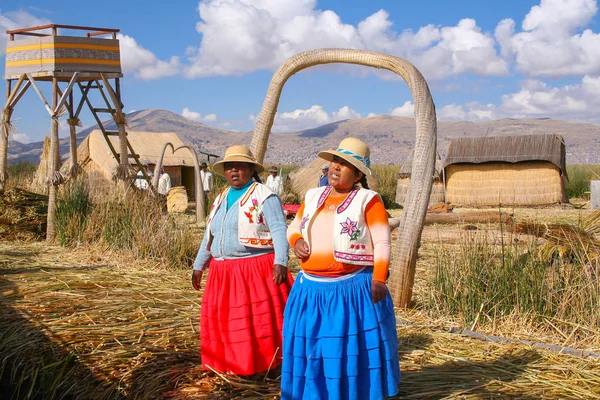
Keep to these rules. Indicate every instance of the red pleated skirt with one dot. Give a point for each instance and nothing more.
(241, 317)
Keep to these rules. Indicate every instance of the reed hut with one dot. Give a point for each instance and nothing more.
(100, 165)
(437, 191)
(510, 170)
(307, 177)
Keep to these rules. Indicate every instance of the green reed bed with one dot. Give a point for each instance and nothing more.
(579, 177)
(135, 223)
(479, 282)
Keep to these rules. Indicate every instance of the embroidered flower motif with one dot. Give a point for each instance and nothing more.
(304, 221)
(255, 211)
(351, 228)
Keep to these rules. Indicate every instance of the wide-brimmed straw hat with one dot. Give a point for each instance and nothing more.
(353, 150)
(273, 169)
(237, 153)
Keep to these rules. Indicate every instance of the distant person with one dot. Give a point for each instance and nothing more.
(141, 183)
(164, 183)
(274, 181)
(207, 179)
(324, 178)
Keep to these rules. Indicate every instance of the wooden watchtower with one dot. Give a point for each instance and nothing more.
(85, 61)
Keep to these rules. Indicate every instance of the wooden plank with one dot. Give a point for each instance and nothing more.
(21, 93)
(68, 90)
(84, 94)
(23, 31)
(104, 110)
(113, 96)
(40, 94)
(10, 94)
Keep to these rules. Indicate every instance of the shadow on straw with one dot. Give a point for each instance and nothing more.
(36, 365)
(461, 377)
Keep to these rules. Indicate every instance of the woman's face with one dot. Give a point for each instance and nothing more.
(343, 175)
(238, 173)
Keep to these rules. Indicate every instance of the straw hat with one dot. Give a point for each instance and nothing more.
(353, 150)
(273, 169)
(237, 153)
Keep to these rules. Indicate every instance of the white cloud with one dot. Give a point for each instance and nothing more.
(371, 115)
(196, 116)
(298, 120)
(15, 20)
(553, 42)
(405, 110)
(142, 63)
(535, 99)
(241, 36)
(538, 99)
(20, 137)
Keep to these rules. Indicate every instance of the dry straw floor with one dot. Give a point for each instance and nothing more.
(114, 329)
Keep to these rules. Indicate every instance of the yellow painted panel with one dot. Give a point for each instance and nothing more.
(62, 61)
(61, 46)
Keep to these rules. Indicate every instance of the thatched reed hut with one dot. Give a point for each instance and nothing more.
(96, 159)
(437, 191)
(307, 177)
(509, 170)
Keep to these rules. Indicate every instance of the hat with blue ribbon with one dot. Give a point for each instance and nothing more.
(353, 150)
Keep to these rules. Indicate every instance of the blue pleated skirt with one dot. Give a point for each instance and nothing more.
(337, 344)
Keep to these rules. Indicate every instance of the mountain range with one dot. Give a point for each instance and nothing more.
(390, 138)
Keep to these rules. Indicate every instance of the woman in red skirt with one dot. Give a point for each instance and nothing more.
(246, 252)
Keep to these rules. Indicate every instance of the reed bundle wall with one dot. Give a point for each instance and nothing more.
(493, 184)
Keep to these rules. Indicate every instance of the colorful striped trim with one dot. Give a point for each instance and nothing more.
(45, 46)
(248, 193)
(324, 196)
(62, 61)
(365, 160)
(353, 257)
(255, 241)
(347, 200)
(319, 278)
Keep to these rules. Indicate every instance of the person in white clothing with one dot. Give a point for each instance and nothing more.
(140, 182)
(274, 181)
(164, 183)
(207, 179)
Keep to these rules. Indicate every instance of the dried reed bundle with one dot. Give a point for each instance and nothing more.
(89, 324)
(567, 241)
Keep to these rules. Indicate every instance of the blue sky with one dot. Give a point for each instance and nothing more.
(212, 60)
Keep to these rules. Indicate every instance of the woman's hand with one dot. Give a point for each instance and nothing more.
(301, 249)
(378, 291)
(197, 279)
(279, 274)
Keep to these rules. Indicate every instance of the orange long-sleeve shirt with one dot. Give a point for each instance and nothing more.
(321, 261)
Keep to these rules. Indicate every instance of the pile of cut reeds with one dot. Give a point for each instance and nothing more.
(82, 324)
(22, 215)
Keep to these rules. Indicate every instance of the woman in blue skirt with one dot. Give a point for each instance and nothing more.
(339, 332)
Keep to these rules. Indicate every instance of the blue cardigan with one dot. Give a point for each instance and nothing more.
(226, 245)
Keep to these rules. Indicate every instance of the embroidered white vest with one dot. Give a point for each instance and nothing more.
(252, 228)
(352, 241)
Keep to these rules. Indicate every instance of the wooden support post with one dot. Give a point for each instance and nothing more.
(124, 171)
(200, 200)
(54, 160)
(5, 124)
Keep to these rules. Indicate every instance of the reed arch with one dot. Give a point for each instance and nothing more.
(413, 216)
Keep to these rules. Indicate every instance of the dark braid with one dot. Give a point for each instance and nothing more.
(256, 177)
(363, 182)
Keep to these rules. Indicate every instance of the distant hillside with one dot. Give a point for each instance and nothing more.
(390, 138)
